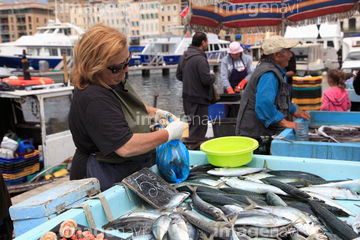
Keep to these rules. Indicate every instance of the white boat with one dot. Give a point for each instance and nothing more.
(47, 44)
(169, 50)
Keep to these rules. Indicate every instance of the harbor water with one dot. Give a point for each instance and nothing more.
(168, 87)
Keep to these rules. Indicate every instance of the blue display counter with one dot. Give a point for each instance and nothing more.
(119, 203)
(325, 150)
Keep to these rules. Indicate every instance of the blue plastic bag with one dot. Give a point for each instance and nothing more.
(172, 159)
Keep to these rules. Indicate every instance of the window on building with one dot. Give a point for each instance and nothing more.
(45, 20)
(156, 16)
(174, 8)
(147, 27)
(341, 25)
(352, 23)
(162, 8)
(147, 16)
(75, 20)
(169, 19)
(162, 18)
(98, 19)
(249, 41)
(112, 21)
(168, 8)
(29, 19)
(163, 29)
(151, 27)
(142, 27)
(30, 26)
(152, 16)
(175, 18)
(137, 32)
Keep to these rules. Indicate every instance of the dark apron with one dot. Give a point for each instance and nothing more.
(231, 110)
(113, 168)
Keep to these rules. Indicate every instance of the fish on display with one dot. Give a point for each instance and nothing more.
(160, 226)
(353, 185)
(336, 225)
(333, 192)
(205, 207)
(356, 224)
(234, 172)
(251, 186)
(265, 204)
(292, 191)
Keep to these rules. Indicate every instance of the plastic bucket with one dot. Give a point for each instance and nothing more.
(231, 151)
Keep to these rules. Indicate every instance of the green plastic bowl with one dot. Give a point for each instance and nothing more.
(231, 151)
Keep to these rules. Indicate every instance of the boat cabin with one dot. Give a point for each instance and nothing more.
(312, 59)
(40, 113)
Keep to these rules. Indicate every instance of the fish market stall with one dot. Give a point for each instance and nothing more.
(324, 149)
(114, 202)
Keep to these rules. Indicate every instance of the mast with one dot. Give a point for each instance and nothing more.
(282, 18)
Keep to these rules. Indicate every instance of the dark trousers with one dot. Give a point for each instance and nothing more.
(110, 173)
(232, 110)
(198, 117)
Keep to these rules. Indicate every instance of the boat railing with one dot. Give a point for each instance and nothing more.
(218, 56)
(159, 53)
(156, 60)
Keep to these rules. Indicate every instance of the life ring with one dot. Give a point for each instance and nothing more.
(19, 81)
(187, 34)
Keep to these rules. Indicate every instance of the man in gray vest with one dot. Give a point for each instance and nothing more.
(265, 106)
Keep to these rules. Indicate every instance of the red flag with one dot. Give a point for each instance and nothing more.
(184, 11)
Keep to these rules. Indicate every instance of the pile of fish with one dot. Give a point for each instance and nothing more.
(248, 203)
(340, 133)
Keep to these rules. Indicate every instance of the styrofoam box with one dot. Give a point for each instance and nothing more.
(43, 207)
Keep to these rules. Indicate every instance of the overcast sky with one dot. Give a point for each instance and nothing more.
(9, 1)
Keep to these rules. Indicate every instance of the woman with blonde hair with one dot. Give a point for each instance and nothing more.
(336, 98)
(108, 121)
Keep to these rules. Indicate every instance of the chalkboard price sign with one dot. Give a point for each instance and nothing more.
(150, 187)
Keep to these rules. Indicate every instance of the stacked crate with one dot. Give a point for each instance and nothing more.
(307, 92)
(17, 170)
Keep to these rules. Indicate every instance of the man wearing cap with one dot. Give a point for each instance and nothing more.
(265, 106)
(235, 73)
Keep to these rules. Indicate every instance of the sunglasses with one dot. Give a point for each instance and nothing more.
(121, 66)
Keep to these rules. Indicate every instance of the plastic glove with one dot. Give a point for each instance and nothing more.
(175, 130)
(230, 90)
(163, 117)
(241, 85)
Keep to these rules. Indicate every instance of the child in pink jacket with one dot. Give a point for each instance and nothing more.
(336, 98)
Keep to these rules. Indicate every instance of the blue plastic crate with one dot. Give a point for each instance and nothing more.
(326, 150)
(216, 111)
(12, 182)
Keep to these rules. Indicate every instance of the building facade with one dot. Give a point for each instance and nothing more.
(149, 18)
(18, 19)
(169, 17)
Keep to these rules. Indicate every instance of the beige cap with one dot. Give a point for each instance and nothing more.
(276, 43)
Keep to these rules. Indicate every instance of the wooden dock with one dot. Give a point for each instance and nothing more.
(146, 70)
